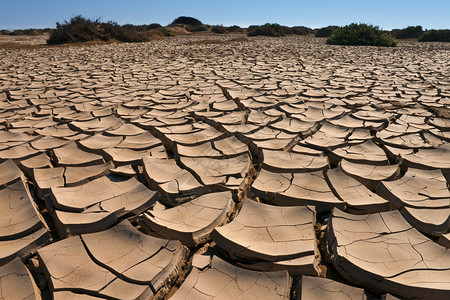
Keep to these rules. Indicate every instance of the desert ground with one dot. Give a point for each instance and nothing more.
(224, 167)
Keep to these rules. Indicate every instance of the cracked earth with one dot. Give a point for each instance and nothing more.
(204, 167)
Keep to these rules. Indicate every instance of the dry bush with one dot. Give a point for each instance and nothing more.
(80, 29)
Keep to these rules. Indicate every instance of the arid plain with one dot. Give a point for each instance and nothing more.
(225, 167)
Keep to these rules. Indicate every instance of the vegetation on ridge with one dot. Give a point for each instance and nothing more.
(274, 29)
(80, 29)
(186, 21)
(326, 31)
(189, 23)
(441, 35)
(410, 32)
(361, 35)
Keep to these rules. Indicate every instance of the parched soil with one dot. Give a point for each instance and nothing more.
(224, 166)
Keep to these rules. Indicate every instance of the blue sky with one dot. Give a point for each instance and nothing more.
(21, 14)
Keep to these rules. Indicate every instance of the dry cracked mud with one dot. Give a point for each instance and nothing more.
(206, 167)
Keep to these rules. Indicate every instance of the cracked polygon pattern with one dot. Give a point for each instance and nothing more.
(218, 171)
(18, 152)
(419, 189)
(9, 172)
(124, 156)
(281, 161)
(97, 125)
(16, 282)
(370, 175)
(63, 295)
(182, 113)
(358, 197)
(367, 152)
(19, 215)
(191, 222)
(69, 267)
(22, 228)
(227, 147)
(225, 281)
(295, 126)
(98, 141)
(360, 126)
(81, 175)
(71, 155)
(47, 178)
(195, 138)
(134, 256)
(40, 161)
(171, 180)
(328, 137)
(438, 158)
(428, 220)
(383, 252)
(281, 236)
(141, 141)
(48, 142)
(98, 204)
(297, 189)
(324, 288)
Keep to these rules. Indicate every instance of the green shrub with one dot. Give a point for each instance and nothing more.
(187, 21)
(29, 31)
(196, 28)
(440, 35)
(326, 31)
(189, 27)
(410, 32)
(165, 32)
(142, 27)
(267, 29)
(361, 35)
(219, 29)
(301, 30)
(286, 30)
(81, 29)
(153, 26)
(234, 28)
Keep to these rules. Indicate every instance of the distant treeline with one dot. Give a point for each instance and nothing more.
(81, 29)
(30, 31)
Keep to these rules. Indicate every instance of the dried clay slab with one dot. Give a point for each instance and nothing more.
(171, 180)
(69, 267)
(365, 153)
(72, 155)
(134, 256)
(296, 189)
(278, 236)
(191, 222)
(22, 228)
(370, 175)
(418, 189)
(16, 282)
(98, 204)
(225, 281)
(358, 197)
(212, 171)
(438, 158)
(324, 288)
(383, 252)
(281, 161)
